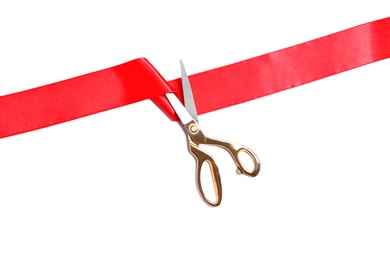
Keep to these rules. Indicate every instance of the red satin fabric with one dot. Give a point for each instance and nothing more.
(287, 68)
(233, 84)
(80, 96)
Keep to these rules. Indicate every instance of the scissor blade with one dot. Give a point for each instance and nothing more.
(189, 102)
(180, 110)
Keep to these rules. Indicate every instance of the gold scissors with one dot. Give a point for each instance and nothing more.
(189, 118)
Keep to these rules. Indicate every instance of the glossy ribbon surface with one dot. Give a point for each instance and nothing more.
(233, 84)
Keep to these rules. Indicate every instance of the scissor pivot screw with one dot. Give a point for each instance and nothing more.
(194, 128)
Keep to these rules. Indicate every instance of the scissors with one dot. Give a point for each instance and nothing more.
(189, 118)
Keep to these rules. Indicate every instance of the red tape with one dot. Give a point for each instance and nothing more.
(233, 84)
(80, 96)
(286, 68)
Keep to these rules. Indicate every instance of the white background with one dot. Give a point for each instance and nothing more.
(120, 184)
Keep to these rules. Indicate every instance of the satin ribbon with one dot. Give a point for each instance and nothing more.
(233, 84)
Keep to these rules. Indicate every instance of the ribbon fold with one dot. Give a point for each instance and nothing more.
(233, 84)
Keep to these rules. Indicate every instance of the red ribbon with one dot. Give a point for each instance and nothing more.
(233, 84)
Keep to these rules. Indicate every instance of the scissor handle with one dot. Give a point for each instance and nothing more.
(234, 150)
(202, 157)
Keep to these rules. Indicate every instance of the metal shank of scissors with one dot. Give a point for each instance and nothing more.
(188, 117)
(196, 137)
